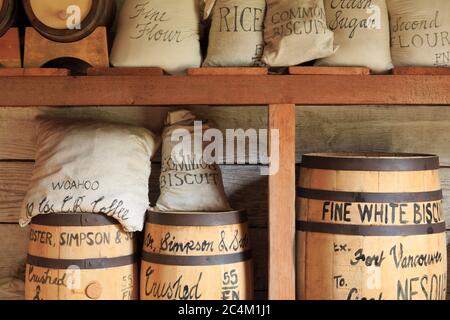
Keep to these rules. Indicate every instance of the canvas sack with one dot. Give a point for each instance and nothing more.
(361, 30)
(236, 34)
(420, 32)
(188, 183)
(158, 33)
(295, 32)
(91, 168)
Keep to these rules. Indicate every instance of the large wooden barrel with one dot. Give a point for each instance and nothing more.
(196, 256)
(8, 9)
(370, 226)
(54, 19)
(80, 257)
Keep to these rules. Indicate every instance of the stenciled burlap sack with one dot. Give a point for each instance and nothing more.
(295, 32)
(90, 167)
(188, 182)
(236, 34)
(361, 30)
(158, 33)
(420, 32)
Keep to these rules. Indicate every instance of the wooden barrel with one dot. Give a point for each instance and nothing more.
(57, 20)
(80, 257)
(8, 9)
(370, 226)
(196, 256)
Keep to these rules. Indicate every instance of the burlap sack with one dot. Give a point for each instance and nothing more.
(158, 33)
(420, 32)
(91, 168)
(188, 183)
(295, 32)
(236, 34)
(361, 30)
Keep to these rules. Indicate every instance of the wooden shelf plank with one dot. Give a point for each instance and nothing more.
(131, 71)
(282, 204)
(417, 71)
(225, 90)
(345, 71)
(33, 72)
(229, 71)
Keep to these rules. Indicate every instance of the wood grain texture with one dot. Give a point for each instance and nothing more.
(245, 188)
(40, 50)
(282, 204)
(33, 72)
(10, 56)
(421, 71)
(14, 250)
(18, 126)
(347, 71)
(13, 247)
(125, 71)
(370, 128)
(226, 90)
(227, 71)
(319, 129)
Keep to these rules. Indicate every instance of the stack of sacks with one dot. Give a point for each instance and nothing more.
(420, 32)
(188, 183)
(158, 33)
(296, 32)
(236, 34)
(361, 30)
(90, 167)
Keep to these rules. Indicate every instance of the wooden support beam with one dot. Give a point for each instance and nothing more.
(282, 204)
(225, 90)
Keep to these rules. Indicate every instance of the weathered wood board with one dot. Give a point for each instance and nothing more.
(245, 187)
(354, 128)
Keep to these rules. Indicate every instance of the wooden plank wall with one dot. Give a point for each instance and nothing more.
(355, 128)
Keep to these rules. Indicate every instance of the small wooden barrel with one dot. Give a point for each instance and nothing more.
(196, 256)
(57, 20)
(80, 257)
(8, 10)
(370, 226)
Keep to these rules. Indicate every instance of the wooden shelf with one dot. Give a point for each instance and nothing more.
(280, 92)
(226, 90)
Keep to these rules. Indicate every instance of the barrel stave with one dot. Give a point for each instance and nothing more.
(80, 257)
(208, 253)
(370, 227)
